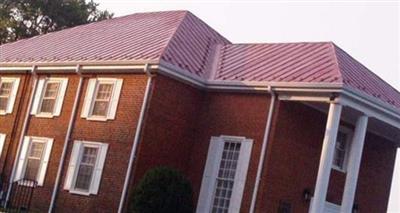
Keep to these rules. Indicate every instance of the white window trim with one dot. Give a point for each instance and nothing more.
(75, 159)
(91, 92)
(329, 207)
(38, 100)
(13, 95)
(22, 161)
(349, 132)
(2, 142)
(214, 156)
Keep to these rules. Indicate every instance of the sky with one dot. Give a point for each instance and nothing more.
(367, 30)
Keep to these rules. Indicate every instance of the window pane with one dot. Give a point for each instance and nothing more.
(51, 90)
(34, 160)
(3, 104)
(36, 150)
(86, 168)
(49, 97)
(47, 105)
(5, 92)
(5, 89)
(104, 91)
(100, 108)
(226, 177)
(32, 169)
(340, 150)
(102, 99)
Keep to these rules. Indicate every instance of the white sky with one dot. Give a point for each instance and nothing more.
(368, 30)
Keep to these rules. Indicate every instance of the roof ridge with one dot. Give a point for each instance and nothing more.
(163, 51)
(215, 62)
(333, 49)
(271, 43)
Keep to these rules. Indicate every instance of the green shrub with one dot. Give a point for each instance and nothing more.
(162, 190)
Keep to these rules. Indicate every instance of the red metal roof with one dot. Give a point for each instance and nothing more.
(181, 39)
(281, 62)
(321, 62)
(356, 76)
(176, 36)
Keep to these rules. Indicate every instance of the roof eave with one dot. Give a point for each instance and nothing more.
(175, 72)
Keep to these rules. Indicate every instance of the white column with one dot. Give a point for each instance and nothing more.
(325, 163)
(354, 164)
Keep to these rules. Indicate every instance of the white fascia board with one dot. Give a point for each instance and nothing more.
(74, 63)
(16, 68)
(304, 98)
(179, 74)
(83, 68)
(374, 105)
(370, 109)
(375, 101)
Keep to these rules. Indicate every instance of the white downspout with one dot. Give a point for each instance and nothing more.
(66, 140)
(263, 151)
(23, 131)
(136, 139)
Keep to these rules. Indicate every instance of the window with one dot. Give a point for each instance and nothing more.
(341, 149)
(5, 93)
(85, 167)
(8, 93)
(225, 174)
(34, 157)
(49, 97)
(101, 99)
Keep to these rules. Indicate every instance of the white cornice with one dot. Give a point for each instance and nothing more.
(177, 73)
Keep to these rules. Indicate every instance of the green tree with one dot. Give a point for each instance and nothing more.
(26, 18)
(162, 190)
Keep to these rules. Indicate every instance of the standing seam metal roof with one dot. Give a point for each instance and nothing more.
(182, 40)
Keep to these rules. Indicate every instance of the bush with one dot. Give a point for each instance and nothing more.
(162, 190)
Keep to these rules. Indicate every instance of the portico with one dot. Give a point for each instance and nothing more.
(364, 116)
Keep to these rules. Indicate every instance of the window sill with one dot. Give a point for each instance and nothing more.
(79, 192)
(28, 183)
(3, 113)
(95, 118)
(44, 115)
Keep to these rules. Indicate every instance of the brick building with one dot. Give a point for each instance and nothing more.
(283, 127)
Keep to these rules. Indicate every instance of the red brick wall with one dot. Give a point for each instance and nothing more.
(179, 122)
(236, 114)
(375, 176)
(55, 128)
(119, 134)
(169, 126)
(11, 124)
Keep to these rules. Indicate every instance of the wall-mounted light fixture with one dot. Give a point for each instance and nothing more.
(307, 194)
